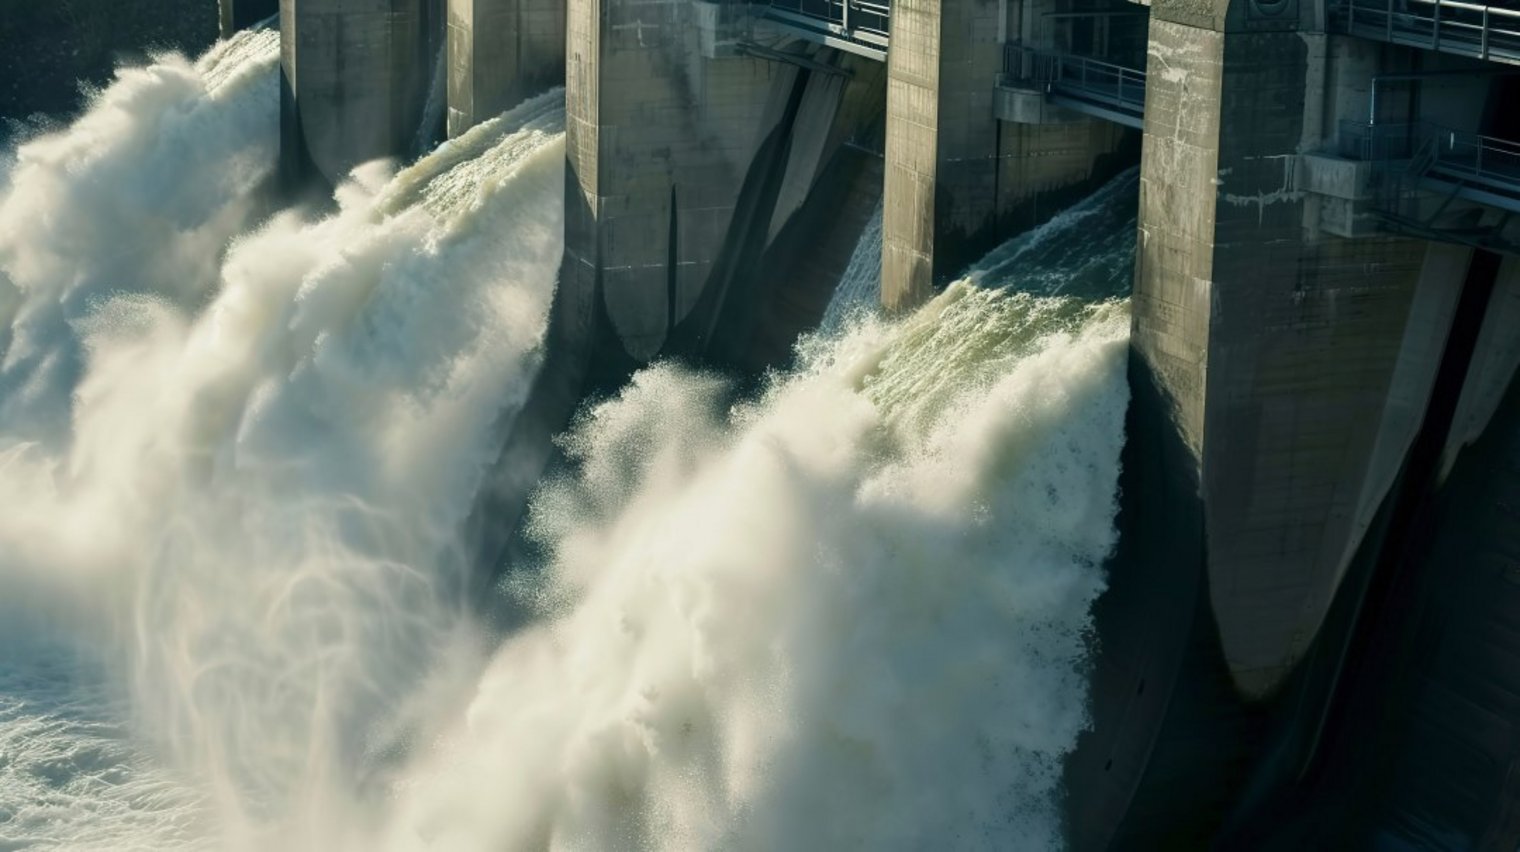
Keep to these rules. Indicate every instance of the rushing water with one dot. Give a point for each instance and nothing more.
(855, 295)
(236, 450)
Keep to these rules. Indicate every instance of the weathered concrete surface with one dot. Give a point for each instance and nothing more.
(1341, 194)
(957, 180)
(355, 75)
(499, 53)
(234, 15)
(1280, 376)
(1418, 748)
(1277, 349)
(1284, 385)
(682, 168)
(659, 140)
(1029, 106)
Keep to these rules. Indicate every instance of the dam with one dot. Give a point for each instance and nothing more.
(1326, 324)
(792, 424)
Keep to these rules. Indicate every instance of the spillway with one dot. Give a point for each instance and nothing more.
(851, 607)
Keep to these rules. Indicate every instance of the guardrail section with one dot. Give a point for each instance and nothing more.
(859, 26)
(1449, 26)
(1092, 86)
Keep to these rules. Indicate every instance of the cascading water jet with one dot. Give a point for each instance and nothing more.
(850, 610)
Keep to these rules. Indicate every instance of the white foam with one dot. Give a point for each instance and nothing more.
(859, 287)
(235, 466)
(850, 615)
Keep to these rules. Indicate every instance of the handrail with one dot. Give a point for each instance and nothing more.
(1437, 151)
(1077, 76)
(1451, 26)
(845, 18)
(1475, 7)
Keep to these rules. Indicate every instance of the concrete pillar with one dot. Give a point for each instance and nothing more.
(958, 181)
(1281, 357)
(355, 77)
(234, 15)
(500, 53)
(944, 59)
(670, 154)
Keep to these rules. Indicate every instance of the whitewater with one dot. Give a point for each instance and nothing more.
(238, 444)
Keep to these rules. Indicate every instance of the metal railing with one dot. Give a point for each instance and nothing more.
(1479, 159)
(1106, 89)
(853, 22)
(1377, 143)
(1421, 168)
(1450, 26)
(1437, 151)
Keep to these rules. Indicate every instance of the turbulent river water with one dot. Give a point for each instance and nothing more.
(237, 446)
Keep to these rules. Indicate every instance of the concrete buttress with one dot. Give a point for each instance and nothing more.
(501, 52)
(1290, 364)
(680, 163)
(355, 77)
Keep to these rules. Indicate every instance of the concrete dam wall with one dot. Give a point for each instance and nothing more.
(1326, 322)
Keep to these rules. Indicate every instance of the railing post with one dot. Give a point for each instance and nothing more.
(1388, 20)
(1483, 37)
(1435, 27)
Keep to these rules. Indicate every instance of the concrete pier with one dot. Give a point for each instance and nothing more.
(355, 78)
(959, 180)
(1274, 347)
(1298, 305)
(499, 53)
(659, 142)
(689, 146)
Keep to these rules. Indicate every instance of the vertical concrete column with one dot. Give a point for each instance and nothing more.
(234, 15)
(941, 166)
(660, 144)
(355, 75)
(1270, 360)
(958, 181)
(500, 53)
